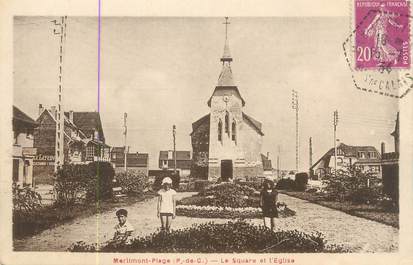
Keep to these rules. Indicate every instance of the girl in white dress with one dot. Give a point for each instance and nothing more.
(166, 204)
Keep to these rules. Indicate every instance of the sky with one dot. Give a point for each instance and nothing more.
(162, 71)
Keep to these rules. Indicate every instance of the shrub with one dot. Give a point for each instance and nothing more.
(132, 182)
(352, 184)
(225, 188)
(232, 237)
(100, 182)
(157, 185)
(227, 195)
(286, 184)
(70, 183)
(201, 185)
(25, 199)
(257, 185)
(301, 180)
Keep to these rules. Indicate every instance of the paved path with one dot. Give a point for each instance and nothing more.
(356, 233)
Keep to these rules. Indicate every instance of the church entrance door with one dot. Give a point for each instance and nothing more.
(226, 170)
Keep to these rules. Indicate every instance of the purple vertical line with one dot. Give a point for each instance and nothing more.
(99, 4)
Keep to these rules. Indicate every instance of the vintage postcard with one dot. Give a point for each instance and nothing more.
(206, 133)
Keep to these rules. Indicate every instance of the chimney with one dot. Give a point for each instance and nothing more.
(71, 116)
(268, 155)
(41, 109)
(383, 148)
(53, 110)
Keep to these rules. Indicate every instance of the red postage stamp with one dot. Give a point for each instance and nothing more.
(382, 37)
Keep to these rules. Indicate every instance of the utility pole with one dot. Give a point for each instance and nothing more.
(174, 139)
(311, 152)
(125, 137)
(60, 31)
(297, 143)
(335, 121)
(278, 162)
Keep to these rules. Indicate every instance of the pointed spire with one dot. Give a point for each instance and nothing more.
(226, 57)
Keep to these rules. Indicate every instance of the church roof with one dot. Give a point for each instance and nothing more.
(20, 116)
(254, 123)
(225, 78)
(200, 121)
(221, 91)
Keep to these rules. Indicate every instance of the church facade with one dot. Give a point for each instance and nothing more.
(226, 142)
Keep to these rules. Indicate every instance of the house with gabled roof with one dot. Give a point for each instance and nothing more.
(183, 161)
(226, 143)
(84, 141)
(138, 162)
(23, 150)
(367, 158)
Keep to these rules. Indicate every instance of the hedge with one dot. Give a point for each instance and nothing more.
(232, 237)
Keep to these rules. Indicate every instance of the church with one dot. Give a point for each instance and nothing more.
(226, 143)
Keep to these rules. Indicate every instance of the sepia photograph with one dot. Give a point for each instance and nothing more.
(265, 133)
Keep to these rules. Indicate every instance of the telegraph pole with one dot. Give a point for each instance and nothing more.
(335, 121)
(125, 137)
(60, 31)
(174, 139)
(278, 162)
(297, 143)
(311, 152)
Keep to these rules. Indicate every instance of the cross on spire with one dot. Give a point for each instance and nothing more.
(226, 28)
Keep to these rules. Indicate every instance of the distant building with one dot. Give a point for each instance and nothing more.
(267, 166)
(84, 141)
(183, 162)
(367, 158)
(390, 163)
(23, 151)
(138, 162)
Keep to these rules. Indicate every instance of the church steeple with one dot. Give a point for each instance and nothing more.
(226, 83)
(225, 78)
(226, 57)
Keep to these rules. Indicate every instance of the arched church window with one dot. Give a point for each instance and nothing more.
(227, 123)
(234, 131)
(220, 130)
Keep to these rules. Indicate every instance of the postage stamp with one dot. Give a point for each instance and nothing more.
(382, 36)
(378, 49)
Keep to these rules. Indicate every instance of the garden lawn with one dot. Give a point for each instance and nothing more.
(368, 211)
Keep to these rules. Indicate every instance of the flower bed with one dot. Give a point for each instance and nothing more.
(227, 201)
(232, 237)
(217, 212)
(229, 212)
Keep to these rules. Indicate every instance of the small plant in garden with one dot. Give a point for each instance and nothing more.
(232, 237)
(25, 199)
(132, 182)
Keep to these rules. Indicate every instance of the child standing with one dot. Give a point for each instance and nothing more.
(166, 204)
(123, 230)
(268, 203)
